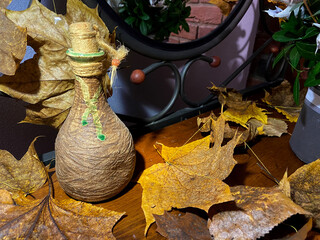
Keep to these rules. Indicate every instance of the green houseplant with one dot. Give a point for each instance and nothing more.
(300, 32)
(159, 18)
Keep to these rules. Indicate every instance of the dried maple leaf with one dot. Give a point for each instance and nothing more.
(5, 3)
(238, 110)
(13, 43)
(305, 189)
(243, 116)
(284, 185)
(257, 212)
(48, 218)
(46, 81)
(281, 99)
(25, 175)
(188, 226)
(190, 177)
(280, 4)
(302, 233)
(230, 97)
(274, 127)
(207, 124)
(224, 5)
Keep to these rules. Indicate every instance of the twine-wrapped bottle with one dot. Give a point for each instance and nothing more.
(95, 156)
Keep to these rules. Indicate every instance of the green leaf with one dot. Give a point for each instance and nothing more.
(185, 25)
(311, 32)
(314, 14)
(294, 57)
(130, 20)
(314, 6)
(313, 76)
(281, 54)
(143, 28)
(293, 24)
(122, 9)
(307, 50)
(136, 10)
(285, 36)
(144, 16)
(310, 64)
(296, 89)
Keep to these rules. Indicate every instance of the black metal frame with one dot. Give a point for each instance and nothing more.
(191, 50)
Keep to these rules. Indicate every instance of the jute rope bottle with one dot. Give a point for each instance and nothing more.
(95, 156)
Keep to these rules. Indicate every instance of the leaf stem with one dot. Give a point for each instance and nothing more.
(54, 6)
(260, 163)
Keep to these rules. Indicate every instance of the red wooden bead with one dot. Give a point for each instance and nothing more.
(274, 48)
(215, 61)
(137, 76)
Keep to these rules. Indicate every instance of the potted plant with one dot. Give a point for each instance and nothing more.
(158, 18)
(300, 32)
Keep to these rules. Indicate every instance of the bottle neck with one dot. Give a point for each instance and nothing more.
(88, 87)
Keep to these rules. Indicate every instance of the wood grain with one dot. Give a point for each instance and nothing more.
(274, 152)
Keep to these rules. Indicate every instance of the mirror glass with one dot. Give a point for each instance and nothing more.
(173, 21)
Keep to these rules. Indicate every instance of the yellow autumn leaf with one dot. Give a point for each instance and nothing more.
(224, 5)
(238, 110)
(25, 175)
(13, 42)
(305, 189)
(190, 177)
(278, 3)
(46, 81)
(241, 116)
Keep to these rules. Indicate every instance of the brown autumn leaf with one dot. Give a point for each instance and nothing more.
(13, 42)
(302, 233)
(46, 81)
(25, 175)
(305, 189)
(230, 97)
(186, 226)
(5, 3)
(48, 218)
(284, 185)
(281, 98)
(280, 3)
(255, 213)
(53, 110)
(238, 110)
(207, 124)
(274, 127)
(224, 5)
(190, 177)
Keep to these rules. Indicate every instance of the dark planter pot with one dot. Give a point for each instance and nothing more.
(305, 139)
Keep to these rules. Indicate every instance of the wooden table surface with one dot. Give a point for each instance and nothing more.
(274, 152)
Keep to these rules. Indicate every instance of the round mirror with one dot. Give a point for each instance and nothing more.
(169, 50)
